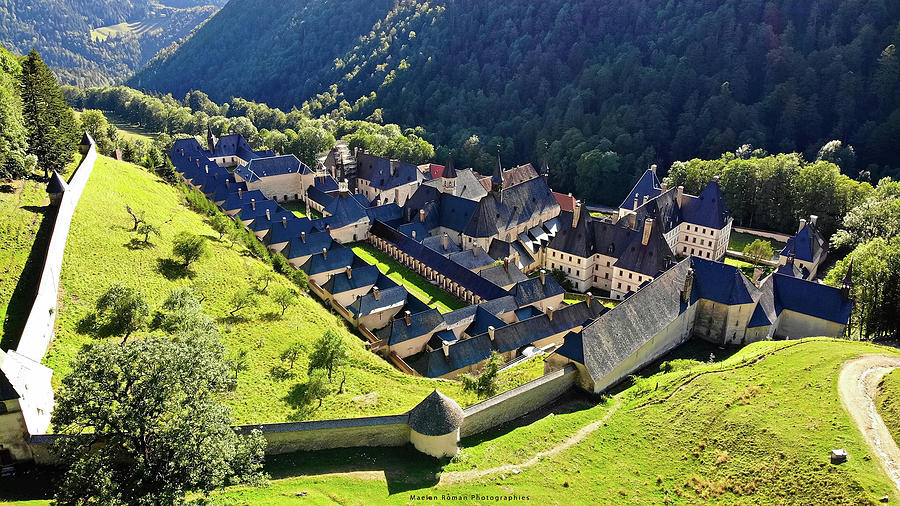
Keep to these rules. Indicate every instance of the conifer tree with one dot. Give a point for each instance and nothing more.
(52, 132)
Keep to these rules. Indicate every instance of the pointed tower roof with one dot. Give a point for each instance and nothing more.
(436, 415)
(56, 184)
(449, 170)
(498, 172)
(848, 278)
(86, 140)
(545, 169)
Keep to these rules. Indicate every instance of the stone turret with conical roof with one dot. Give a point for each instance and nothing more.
(434, 425)
(56, 187)
(448, 178)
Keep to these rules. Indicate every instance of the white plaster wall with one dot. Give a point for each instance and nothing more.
(794, 325)
(436, 446)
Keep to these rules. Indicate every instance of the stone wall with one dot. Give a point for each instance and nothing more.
(324, 434)
(517, 402)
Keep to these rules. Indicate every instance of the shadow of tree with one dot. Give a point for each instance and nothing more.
(138, 244)
(280, 373)
(172, 269)
(91, 324)
(270, 316)
(7, 188)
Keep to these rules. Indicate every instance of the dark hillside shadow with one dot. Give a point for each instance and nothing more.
(404, 467)
(26, 288)
(138, 244)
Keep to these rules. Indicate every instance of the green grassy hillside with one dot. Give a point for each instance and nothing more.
(888, 402)
(101, 252)
(755, 428)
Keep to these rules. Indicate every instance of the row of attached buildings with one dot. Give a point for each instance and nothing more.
(479, 237)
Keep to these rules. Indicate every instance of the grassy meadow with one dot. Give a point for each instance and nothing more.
(754, 428)
(415, 284)
(739, 240)
(102, 250)
(888, 402)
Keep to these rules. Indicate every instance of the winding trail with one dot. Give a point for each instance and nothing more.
(858, 386)
(473, 474)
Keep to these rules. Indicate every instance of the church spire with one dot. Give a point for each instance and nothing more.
(210, 140)
(497, 178)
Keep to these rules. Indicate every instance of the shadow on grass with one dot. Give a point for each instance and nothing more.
(138, 244)
(304, 407)
(7, 188)
(405, 468)
(23, 294)
(30, 483)
(271, 316)
(172, 269)
(280, 372)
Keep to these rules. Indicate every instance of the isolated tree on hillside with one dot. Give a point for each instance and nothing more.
(221, 224)
(124, 308)
(292, 353)
(147, 230)
(318, 386)
(238, 363)
(135, 217)
(243, 299)
(182, 311)
(330, 352)
(285, 297)
(190, 247)
(50, 122)
(153, 404)
(758, 250)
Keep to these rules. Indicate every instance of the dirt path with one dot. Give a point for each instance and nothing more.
(473, 474)
(858, 386)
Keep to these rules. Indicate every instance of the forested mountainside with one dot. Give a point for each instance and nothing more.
(593, 86)
(92, 42)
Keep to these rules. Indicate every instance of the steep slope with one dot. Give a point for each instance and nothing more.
(608, 86)
(91, 42)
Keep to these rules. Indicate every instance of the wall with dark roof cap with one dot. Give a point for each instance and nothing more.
(517, 402)
(325, 434)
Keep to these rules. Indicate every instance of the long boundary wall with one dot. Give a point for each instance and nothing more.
(22, 366)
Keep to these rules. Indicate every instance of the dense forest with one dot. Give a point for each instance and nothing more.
(61, 30)
(592, 87)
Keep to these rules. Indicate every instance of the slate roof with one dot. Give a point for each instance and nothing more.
(272, 166)
(495, 214)
(320, 197)
(707, 209)
(344, 210)
(532, 290)
(451, 270)
(809, 298)
(648, 185)
(502, 275)
(468, 185)
(256, 210)
(436, 243)
(359, 277)
(236, 145)
(466, 315)
(807, 244)
(407, 229)
(291, 229)
(421, 324)
(56, 184)
(620, 332)
(224, 191)
(275, 219)
(472, 259)
(237, 200)
(338, 257)
(315, 241)
(483, 319)
(388, 298)
(649, 259)
(378, 172)
(325, 184)
(722, 283)
(388, 213)
(436, 415)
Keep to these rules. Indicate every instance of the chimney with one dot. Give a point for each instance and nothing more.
(302, 237)
(653, 169)
(269, 216)
(847, 283)
(376, 293)
(491, 332)
(646, 198)
(648, 226)
(550, 312)
(205, 168)
(413, 234)
(543, 277)
(716, 178)
(284, 222)
(506, 264)
(407, 317)
(688, 284)
(445, 241)
(576, 213)
(253, 204)
(394, 164)
(680, 197)
(635, 202)
(240, 194)
(349, 271)
(474, 249)
(813, 219)
(227, 183)
(422, 215)
(802, 224)
(343, 188)
(446, 348)
(325, 253)
(589, 297)
(197, 161)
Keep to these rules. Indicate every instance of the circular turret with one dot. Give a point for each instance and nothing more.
(434, 425)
